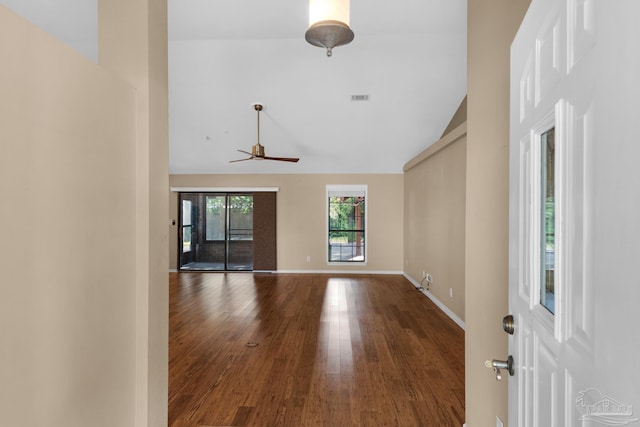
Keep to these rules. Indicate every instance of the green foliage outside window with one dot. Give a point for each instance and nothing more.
(346, 215)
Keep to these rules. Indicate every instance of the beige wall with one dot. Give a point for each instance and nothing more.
(434, 219)
(67, 253)
(83, 177)
(491, 27)
(301, 216)
(458, 118)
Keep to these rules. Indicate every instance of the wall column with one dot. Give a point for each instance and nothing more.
(491, 24)
(133, 44)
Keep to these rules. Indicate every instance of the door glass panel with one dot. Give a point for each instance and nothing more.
(216, 218)
(186, 239)
(240, 232)
(214, 248)
(547, 226)
(188, 235)
(186, 226)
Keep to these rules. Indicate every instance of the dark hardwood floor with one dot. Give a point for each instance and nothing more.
(310, 350)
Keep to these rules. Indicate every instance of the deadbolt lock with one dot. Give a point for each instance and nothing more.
(508, 324)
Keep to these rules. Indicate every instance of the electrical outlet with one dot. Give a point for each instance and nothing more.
(308, 258)
(450, 292)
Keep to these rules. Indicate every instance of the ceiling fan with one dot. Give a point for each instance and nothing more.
(257, 151)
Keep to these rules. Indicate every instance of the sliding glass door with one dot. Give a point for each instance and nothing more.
(215, 232)
(240, 232)
(220, 231)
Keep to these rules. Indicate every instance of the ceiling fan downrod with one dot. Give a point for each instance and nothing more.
(258, 108)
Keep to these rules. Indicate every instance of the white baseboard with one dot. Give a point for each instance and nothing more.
(437, 302)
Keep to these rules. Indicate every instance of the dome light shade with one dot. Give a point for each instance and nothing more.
(329, 24)
(328, 10)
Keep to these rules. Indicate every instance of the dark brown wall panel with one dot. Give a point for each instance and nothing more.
(264, 231)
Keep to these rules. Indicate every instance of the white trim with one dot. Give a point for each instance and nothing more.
(224, 189)
(173, 270)
(347, 190)
(554, 119)
(448, 139)
(437, 302)
(348, 263)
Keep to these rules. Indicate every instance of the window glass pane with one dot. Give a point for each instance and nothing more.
(241, 217)
(215, 217)
(547, 226)
(240, 232)
(346, 228)
(346, 246)
(186, 239)
(186, 212)
(186, 225)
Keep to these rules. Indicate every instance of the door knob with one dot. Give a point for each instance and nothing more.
(497, 365)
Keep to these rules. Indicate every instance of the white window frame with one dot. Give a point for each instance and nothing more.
(554, 323)
(347, 191)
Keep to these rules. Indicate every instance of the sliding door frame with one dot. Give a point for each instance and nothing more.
(264, 247)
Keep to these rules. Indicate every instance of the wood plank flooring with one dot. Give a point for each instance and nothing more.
(310, 350)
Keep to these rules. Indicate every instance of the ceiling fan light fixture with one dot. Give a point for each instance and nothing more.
(329, 24)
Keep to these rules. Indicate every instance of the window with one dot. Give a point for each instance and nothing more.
(547, 220)
(346, 223)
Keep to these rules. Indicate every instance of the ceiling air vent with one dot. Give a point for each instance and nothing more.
(359, 97)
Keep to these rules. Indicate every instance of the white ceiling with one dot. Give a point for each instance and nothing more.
(409, 56)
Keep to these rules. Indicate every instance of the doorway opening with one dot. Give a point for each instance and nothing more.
(216, 232)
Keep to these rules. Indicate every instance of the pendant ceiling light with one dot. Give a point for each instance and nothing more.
(329, 24)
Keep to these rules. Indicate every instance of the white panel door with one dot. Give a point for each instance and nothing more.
(575, 214)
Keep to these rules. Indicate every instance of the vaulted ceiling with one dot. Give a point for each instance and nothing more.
(408, 57)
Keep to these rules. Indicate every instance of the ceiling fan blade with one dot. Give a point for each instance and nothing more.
(246, 152)
(241, 160)
(282, 159)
